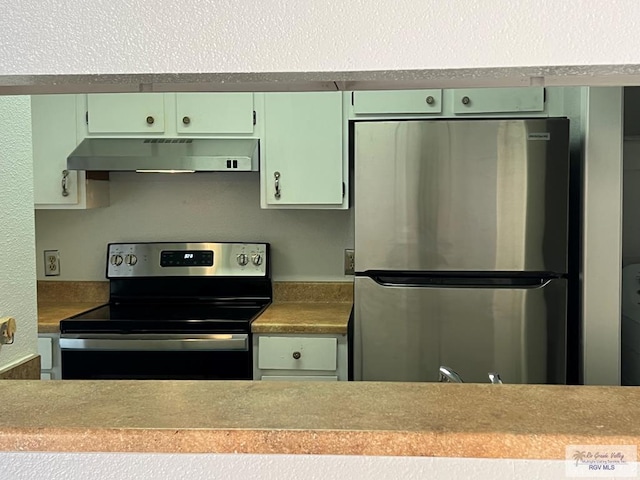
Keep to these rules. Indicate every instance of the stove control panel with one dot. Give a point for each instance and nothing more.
(164, 259)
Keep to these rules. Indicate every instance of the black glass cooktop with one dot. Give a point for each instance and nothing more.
(200, 317)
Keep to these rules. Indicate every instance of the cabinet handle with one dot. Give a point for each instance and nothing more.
(65, 189)
(466, 100)
(150, 120)
(276, 175)
(186, 120)
(297, 355)
(430, 100)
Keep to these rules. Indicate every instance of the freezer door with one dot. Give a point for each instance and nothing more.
(405, 334)
(477, 195)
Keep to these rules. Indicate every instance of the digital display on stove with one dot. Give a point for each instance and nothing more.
(186, 258)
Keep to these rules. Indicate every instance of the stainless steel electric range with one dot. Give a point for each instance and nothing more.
(175, 311)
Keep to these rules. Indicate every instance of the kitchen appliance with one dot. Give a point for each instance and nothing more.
(175, 311)
(461, 237)
(165, 154)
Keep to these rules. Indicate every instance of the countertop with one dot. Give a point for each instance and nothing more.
(278, 318)
(50, 313)
(341, 418)
(303, 318)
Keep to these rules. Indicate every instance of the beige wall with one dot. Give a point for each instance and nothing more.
(306, 244)
(17, 262)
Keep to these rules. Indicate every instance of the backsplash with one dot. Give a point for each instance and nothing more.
(306, 245)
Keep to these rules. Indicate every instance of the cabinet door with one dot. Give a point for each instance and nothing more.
(53, 122)
(397, 102)
(45, 350)
(303, 149)
(125, 113)
(214, 113)
(498, 100)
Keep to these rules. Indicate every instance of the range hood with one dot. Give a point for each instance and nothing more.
(171, 155)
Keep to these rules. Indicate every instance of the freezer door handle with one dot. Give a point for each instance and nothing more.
(462, 281)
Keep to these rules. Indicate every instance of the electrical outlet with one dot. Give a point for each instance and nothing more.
(51, 263)
(349, 262)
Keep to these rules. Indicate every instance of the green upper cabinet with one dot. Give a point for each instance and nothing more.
(170, 114)
(302, 164)
(53, 127)
(401, 102)
(498, 100)
(136, 113)
(447, 103)
(214, 113)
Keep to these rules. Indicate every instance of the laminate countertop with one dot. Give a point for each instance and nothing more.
(50, 313)
(303, 318)
(278, 318)
(341, 418)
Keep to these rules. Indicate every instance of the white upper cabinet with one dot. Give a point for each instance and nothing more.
(448, 103)
(498, 100)
(397, 102)
(169, 114)
(53, 121)
(302, 164)
(140, 113)
(214, 113)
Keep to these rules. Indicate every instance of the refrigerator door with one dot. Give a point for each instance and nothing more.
(474, 195)
(405, 333)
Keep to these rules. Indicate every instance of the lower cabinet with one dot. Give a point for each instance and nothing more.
(316, 357)
(49, 351)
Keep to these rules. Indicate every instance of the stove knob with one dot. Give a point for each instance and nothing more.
(256, 259)
(116, 260)
(242, 259)
(131, 259)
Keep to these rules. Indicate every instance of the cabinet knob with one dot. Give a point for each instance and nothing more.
(430, 100)
(466, 100)
(150, 120)
(296, 355)
(186, 120)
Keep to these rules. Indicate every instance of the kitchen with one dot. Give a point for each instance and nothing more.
(605, 376)
(154, 191)
(160, 205)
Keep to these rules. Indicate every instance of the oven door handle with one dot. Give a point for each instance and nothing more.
(162, 343)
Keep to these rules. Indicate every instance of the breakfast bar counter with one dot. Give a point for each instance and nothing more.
(341, 418)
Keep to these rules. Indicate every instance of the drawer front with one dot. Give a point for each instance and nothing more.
(300, 378)
(45, 350)
(297, 353)
(498, 100)
(397, 102)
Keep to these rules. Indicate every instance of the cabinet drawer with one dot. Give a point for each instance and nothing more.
(45, 350)
(125, 113)
(297, 353)
(397, 102)
(215, 113)
(498, 100)
(300, 378)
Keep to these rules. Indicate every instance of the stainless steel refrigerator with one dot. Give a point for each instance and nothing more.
(461, 249)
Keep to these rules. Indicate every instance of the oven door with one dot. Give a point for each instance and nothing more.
(156, 356)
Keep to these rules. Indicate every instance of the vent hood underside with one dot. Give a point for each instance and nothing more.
(165, 155)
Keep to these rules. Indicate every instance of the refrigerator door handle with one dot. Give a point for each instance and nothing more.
(427, 281)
